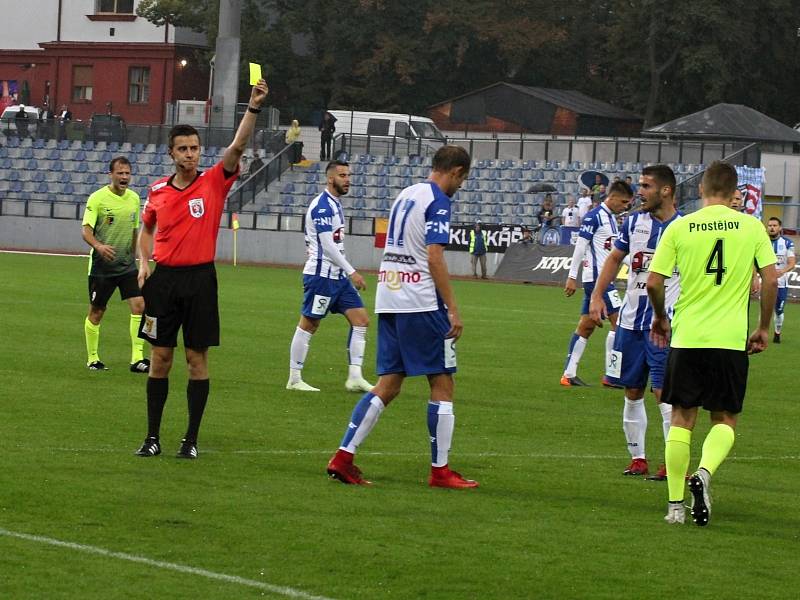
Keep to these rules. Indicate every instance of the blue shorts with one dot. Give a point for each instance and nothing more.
(322, 295)
(780, 300)
(414, 343)
(634, 358)
(611, 298)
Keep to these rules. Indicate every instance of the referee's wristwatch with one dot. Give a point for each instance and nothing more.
(253, 110)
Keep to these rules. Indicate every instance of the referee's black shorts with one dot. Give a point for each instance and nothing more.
(713, 378)
(181, 297)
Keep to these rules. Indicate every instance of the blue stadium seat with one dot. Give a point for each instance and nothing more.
(5, 163)
(15, 187)
(42, 188)
(138, 148)
(392, 160)
(38, 144)
(382, 193)
(80, 155)
(360, 192)
(311, 190)
(27, 153)
(12, 142)
(63, 145)
(90, 179)
(494, 186)
(32, 164)
(88, 145)
(38, 176)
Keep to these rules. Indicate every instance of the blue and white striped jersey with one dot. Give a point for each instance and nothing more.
(599, 228)
(420, 216)
(638, 238)
(784, 250)
(324, 214)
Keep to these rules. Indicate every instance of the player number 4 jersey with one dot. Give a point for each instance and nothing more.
(638, 238)
(420, 216)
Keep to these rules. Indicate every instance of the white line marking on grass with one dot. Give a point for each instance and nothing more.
(275, 589)
(41, 253)
(532, 455)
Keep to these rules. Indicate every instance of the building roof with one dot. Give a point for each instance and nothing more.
(572, 100)
(729, 121)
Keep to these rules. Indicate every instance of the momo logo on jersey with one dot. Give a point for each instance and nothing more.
(196, 207)
(395, 280)
(338, 235)
(640, 261)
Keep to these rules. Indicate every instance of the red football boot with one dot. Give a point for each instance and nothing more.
(341, 467)
(445, 478)
(638, 466)
(660, 475)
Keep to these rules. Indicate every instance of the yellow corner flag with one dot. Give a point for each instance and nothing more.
(235, 227)
(255, 73)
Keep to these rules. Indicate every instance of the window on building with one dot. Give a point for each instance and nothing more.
(82, 83)
(139, 85)
(124, 7)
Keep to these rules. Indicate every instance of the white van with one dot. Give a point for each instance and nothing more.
(387, 133)
(390, 124)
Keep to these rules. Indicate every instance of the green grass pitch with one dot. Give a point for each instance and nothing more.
(553, 518)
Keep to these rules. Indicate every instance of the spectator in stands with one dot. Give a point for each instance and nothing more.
(570, 216)
(21, 121)
(64, 117)
(598, 194)
(326, 127)
(527, 236)
(629, 181)
(293, 139)
(584, 203)
(547, 211)
(478, 242)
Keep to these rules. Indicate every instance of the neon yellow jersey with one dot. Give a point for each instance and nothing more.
(114, 219)
(714, 249)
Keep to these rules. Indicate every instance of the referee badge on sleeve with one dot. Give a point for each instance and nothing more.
(150, 327)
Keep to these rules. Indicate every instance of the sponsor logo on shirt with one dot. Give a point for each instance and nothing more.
(438, 227)
(196, 207)
(338, 235)
(399, 258)
(394, 280)
(323, 221)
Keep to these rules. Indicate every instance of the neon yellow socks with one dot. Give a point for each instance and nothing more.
(677, 454)
(717, 445)
(92, 334)
(137, 343)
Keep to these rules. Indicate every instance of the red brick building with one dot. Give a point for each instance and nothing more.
(88, 54)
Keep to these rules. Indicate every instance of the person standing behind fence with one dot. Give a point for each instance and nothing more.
(327, 128)
(293, 139)
(180, 223)
(478, 242)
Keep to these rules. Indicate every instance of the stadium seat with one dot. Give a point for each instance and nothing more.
(288, 188)
(88, 145)
(15, 187)
(42, 188)
(138, 148)
(38, 176)
(90, 179)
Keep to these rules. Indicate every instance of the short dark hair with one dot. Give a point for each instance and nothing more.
(776, 219)
(663, 175)
(181, 130)
(118, 160)
(450, 157)
(620, 187)
(720, 179)
(335, 163)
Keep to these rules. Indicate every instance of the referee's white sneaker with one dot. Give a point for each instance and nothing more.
(358, 384)
(300, 386)
(676, 513)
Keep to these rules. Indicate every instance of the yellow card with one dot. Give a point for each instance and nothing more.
(255, 73)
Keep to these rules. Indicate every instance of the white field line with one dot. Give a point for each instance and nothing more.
(329, 451)
(275, 589)
(42, 253)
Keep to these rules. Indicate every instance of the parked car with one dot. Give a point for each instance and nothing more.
(107, 128)
(8, 120)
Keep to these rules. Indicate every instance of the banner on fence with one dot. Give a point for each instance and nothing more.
(751, 184)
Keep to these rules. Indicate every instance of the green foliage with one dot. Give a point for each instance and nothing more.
(554, 517)
(194, 14)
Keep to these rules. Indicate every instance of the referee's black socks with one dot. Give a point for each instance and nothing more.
(157, 390)
(196, 396)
